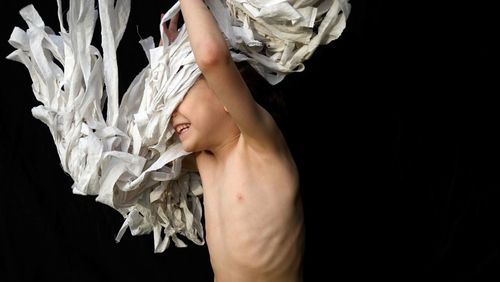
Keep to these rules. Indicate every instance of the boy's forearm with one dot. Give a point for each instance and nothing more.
(205, 36)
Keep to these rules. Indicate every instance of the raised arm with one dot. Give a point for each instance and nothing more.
(213, 57)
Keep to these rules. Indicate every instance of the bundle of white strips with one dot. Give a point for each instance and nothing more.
(131, 160)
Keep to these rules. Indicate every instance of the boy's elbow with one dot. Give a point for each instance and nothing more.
(212, 55)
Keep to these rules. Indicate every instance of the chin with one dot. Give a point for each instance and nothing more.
(189, 147)
(191, 144)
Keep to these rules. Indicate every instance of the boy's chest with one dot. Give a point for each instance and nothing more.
(229, 176)
(236, 174)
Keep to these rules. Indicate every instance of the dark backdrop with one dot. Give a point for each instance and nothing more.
(392, 126)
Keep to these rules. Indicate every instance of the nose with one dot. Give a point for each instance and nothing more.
(172, 117)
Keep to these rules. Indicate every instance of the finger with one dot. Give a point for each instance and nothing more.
(173, 22)
(164, 27)
(163, 24)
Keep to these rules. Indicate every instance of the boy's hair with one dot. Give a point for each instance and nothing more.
(270, 97)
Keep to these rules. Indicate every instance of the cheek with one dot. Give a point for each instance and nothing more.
(184, 107)
(208, 119)
(202, 117)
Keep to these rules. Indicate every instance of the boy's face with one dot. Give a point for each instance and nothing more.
(199, 117)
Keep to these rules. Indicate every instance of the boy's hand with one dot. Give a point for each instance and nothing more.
(171, 30)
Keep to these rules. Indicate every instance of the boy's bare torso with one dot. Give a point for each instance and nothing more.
(252, 198)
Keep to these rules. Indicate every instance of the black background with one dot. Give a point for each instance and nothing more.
(392, 126)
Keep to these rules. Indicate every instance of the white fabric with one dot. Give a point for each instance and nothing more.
(131, 160)
(277, 36)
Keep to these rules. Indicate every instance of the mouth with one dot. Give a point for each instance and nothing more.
(182, 128)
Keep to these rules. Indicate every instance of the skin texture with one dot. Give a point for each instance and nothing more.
(253, 213)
